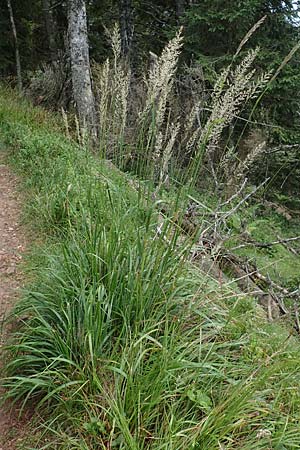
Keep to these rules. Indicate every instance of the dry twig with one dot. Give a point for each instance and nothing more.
(266, 244)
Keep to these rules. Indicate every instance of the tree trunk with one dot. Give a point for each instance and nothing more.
(50, 28)
(80, 68)
(17, 53)
(126, 26)
(180, 8)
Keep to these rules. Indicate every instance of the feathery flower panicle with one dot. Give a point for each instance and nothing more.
(226, 104)
(251, 158)
(66, 122)
(160, 82)
(249, 34)
(167, 153)
(102, 86)
(153, 121)
(112, 81)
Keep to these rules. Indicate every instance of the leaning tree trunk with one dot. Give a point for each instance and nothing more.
(126, 26)
(17, 53)
(180, 8)
(50, 28)
(80, 68)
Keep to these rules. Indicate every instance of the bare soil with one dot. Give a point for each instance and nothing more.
(12, 247)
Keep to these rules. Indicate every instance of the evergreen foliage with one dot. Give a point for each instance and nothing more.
(214, 30)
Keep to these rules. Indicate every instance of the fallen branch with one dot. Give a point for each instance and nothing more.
(282, 148)
(247, 276)
(296, 311)
(215, 260)
(234, 196)
(266, 244)
(227, 214)
(290, 249)
(282, 210)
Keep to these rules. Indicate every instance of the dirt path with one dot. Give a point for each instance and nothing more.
(12, 245)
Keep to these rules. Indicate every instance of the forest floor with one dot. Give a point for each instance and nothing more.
(12, 245)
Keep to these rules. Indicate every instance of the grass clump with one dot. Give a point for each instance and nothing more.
(120, 339)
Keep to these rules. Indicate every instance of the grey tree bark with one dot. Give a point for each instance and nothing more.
(50, 28)
(80, 68)
(17, 52)
(180, 8)
(126, 25)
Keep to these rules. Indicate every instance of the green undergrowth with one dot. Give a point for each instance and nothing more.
(120, 342)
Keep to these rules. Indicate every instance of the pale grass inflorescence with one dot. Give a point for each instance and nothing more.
(112, 81)
(157, 134)
(149, 138)
(153, 135)
(227, 101)
(159, 86)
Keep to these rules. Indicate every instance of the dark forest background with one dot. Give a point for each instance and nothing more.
(212, 32)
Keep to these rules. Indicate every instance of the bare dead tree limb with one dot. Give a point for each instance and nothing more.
(266, 244)
(227, 214)
(296, 311)
(288, 247)
(236, 195)
(17, 52)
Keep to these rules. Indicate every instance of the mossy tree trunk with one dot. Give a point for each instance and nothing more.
(80, 68)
